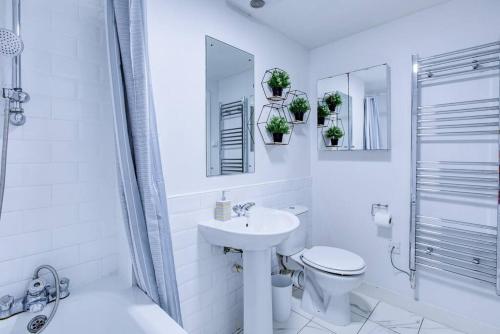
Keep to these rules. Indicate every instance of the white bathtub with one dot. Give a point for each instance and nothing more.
(105, 307)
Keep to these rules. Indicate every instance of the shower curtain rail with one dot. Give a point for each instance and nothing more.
(464, 249)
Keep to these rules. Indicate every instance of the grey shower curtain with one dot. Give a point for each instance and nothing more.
(372, 124)
(140, 172)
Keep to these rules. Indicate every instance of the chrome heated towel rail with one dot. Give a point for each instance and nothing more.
(233, 138)
(455, 198)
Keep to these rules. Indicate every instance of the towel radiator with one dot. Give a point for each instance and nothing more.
(455, 200)
(233, 154)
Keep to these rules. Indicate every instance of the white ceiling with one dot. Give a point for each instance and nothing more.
(313, 23)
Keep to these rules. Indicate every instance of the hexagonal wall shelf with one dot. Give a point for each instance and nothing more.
(269, 92)
(333, 121)
(338, 108)
(293, 95)
(267, 112)
(327, 118)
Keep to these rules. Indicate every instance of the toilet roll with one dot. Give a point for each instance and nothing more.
(383, 218)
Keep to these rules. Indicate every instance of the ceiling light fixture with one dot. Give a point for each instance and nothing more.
(257, 3)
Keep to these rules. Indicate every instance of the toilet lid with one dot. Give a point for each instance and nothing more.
(334, 260)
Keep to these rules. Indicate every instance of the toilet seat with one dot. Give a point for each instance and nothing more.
(333, 260)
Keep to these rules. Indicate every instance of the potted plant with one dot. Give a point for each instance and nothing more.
(323, 112)
(298, 107)
(278, 81)
(333, 100)
(334, 133)
(278, 126)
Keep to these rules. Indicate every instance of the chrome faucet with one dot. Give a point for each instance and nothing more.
(242, 209)
(38, 295)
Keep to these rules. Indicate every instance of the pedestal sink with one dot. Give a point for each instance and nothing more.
(255, 234)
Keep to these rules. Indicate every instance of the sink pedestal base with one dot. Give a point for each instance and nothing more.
(257, 293)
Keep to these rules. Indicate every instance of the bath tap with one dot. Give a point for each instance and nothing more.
(38, 295)
(242, 209)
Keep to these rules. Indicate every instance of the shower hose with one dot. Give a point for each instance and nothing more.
(5, 142)
(53, 271)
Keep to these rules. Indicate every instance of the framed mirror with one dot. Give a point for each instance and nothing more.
(357, 109)
(230, 110)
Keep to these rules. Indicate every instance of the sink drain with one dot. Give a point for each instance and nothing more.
(37, 323)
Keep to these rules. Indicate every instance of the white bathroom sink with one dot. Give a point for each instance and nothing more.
(262, 229)
(255, 234)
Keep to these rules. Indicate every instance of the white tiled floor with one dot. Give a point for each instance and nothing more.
(369, 316)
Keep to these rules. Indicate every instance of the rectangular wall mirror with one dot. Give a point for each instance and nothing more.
(230, 109)
(357, 110)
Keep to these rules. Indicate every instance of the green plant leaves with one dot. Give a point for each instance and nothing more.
(334, 132)
(323, 110)
(279, 79)
(278, 124)
(333, 100)
(298, 105)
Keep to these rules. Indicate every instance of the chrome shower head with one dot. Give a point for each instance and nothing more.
(11, 45)
(257, 3)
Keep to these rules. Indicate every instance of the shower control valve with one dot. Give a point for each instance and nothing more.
(37, 296)
(63, 290)
(16, 95)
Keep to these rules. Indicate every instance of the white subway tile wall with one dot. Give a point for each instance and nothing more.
(61, 204)
(210, 292)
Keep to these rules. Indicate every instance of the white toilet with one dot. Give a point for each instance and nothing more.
(330, 273)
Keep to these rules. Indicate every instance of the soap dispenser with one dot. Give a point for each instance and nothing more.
(223, 208)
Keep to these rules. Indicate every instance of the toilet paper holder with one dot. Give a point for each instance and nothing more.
(379, 206)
